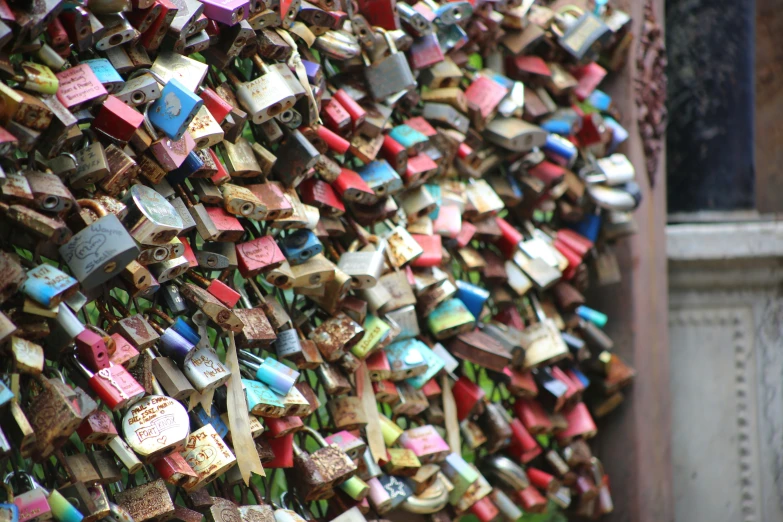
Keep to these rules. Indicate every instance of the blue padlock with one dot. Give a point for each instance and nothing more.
(405, 359)
(589, 227)
(576, 372)
(576, 345)
(186, 331)
(262, 401)
(382, 179)
(9, 512)
(299, 246)
(619, 133)
(175, 109)
(408, 137)
(191, 164)
(473, 296)
(436, 194)
(279, 377)
(47, 285)
(594, 316)
(106, 74)
(201, 418)
(6, 395)
(434, 365)
(559, 150)
(600, 100)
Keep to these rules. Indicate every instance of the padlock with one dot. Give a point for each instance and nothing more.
(336, 335)
(279, 377)
(147, 501)
(79, 88)
(390, 75)
(296, 155)
(113, 385)
(262, 401)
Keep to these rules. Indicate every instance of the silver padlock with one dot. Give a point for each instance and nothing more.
(151, 219)
(364, 267)
(205, 371)
(100, 251)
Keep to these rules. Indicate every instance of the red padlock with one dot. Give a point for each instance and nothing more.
(542, 480)
(533, 416)
(422, 125)
(283, 449)
(153, 37)
(335, 142)
(580, 424)
(531, 500)
(282, 426)
(575, 241)
(381, 13)
(509, 240)
(523, 445)
(485, 94)
(574, 392)
(589, 77)
(188, 253)
(550, 173)
(378, 366)
(322, 196)
(175, 470)
(124, 353)
(92, 350)
(217, 106)
(484, 510)
(258, 255)
(386, 392)
(351, 106)
(418, 168)
(222, 175)
(353, 188)
(431, 389)
(97, 428)
(433, 251)
(231, 229)
(142, 19)
(469, 397)
(466, 234)
(521, 383)
(223, 293)
(113, 385)
(395, 154)
(335, 116)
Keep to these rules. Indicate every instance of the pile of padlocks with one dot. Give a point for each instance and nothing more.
(342, 245)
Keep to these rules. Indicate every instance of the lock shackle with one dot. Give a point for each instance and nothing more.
(158, 313)
(250, 365)
(389, 40)
(185, 193)
(118, 305)
(93, 205)
(558, 18)
(597, 470)
(317, 436)
(436, 499)
(540, 315)
(81, 367)
(155, 76)
(505, 470)
(258, 62)
(250, 357)
(55, 372)
(198, 278)
(232, 78)
(104, 314)
(148, 124)
(28, 476)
